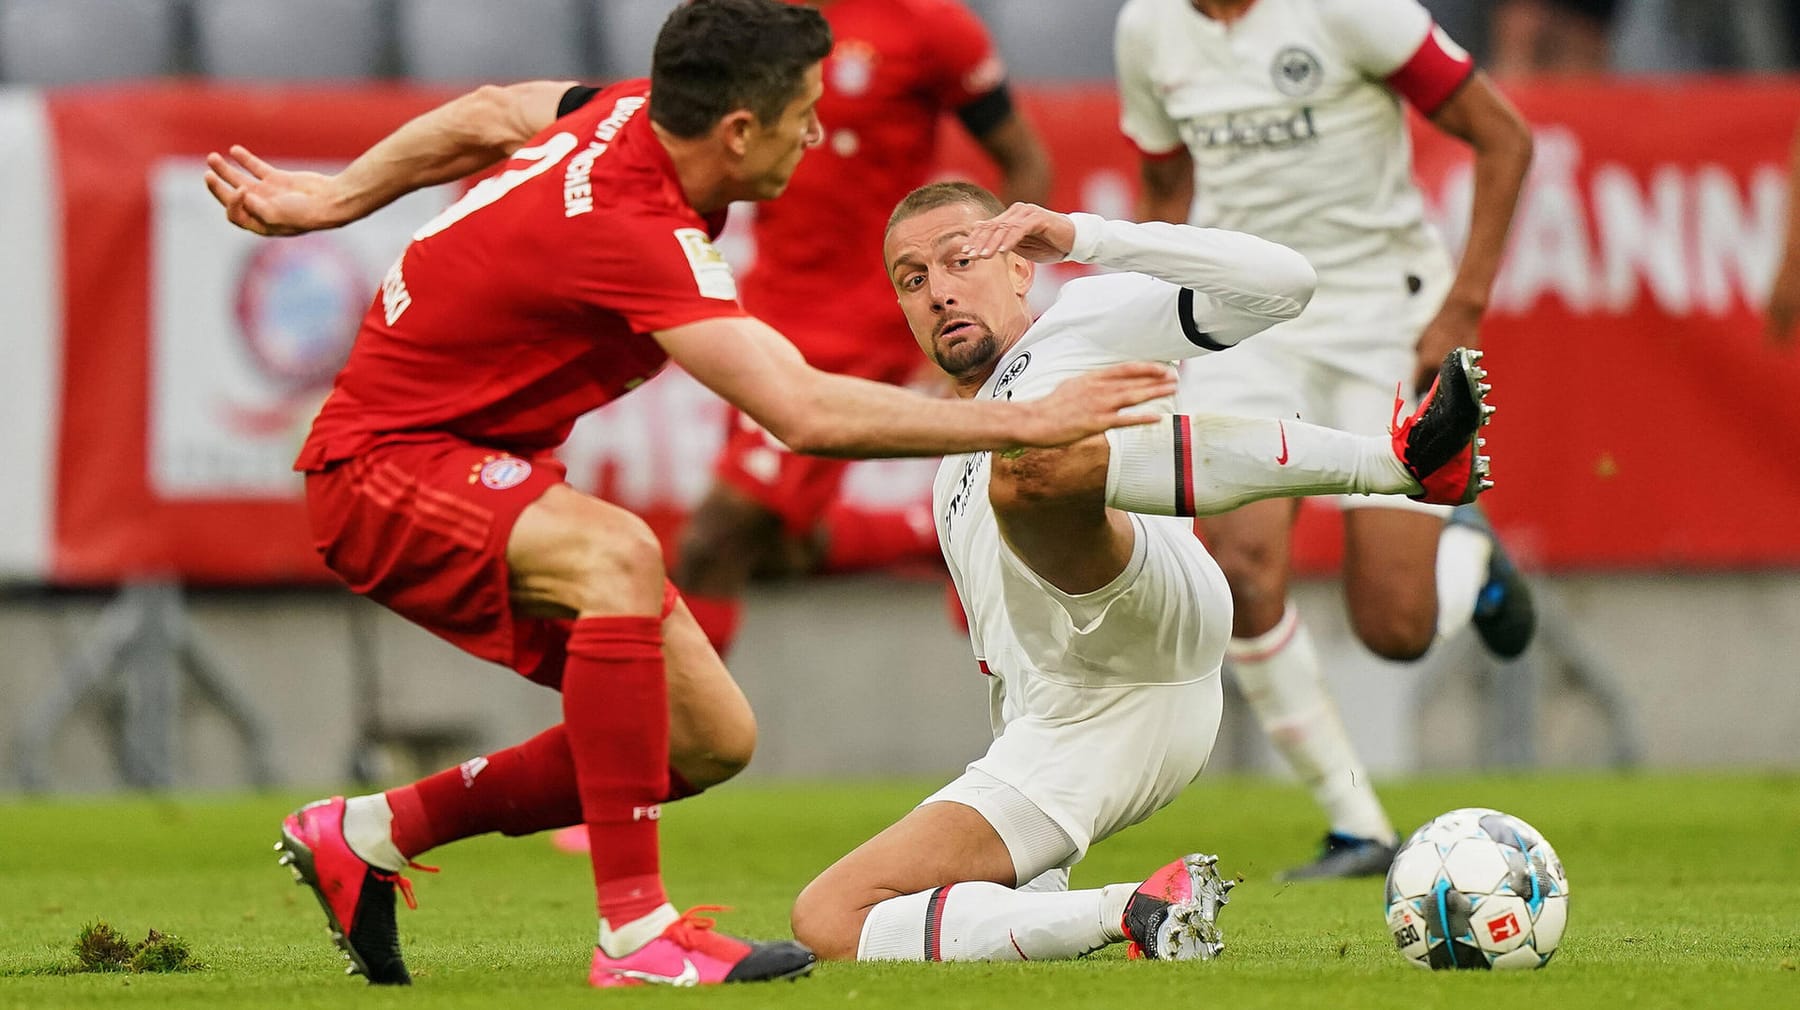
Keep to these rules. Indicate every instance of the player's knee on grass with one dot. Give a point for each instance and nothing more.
(827, 920)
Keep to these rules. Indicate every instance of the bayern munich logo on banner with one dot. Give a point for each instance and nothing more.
(504, 472)
(298, 304)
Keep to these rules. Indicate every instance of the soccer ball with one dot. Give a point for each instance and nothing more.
(1476, 888)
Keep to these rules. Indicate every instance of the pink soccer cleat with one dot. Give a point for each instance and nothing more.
(1174, 915)
(689, 952)
(1439, 444)
(358, 898)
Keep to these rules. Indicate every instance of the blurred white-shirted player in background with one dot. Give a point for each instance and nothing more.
(1283, 119)
(1100, 619)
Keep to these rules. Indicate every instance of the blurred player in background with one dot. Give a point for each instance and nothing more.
(1552, 37)
(553, 287)
(1784, 296)
(1099, 618)
(896, 69)
(1282, 118)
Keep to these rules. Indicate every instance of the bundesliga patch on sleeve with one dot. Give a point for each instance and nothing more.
(711, 273)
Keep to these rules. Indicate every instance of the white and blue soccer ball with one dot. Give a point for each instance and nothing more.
(1476, 888)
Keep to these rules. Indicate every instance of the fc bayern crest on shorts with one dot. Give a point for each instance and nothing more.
(504, 472)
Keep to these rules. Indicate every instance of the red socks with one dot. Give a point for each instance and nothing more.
(517, 791)
(616, 708)
(718, 617)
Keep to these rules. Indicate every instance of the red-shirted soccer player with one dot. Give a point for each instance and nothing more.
(551, 288)
(896, 68)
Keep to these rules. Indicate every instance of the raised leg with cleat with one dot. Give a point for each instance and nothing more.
(358, 898)
(1440, 442)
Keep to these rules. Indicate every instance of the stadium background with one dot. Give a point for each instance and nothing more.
(165, 624)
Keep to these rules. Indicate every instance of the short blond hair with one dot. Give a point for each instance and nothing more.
(933, 195)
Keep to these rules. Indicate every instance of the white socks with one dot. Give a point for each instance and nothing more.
(629, 937)
(1462, 563)
(1205, 464)
(980, 921)
(1279, 675)
(368, 830)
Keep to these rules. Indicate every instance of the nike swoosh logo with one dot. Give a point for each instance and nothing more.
(1282, 459)
(689, 975)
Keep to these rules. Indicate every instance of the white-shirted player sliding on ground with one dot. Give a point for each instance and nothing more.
(1283, 118)
(1103, 629)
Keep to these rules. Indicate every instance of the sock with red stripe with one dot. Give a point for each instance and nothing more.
(616, 710)
(718, 617)
(858, 539)
(1280, 676)
(1206, 464)
(517, 791)
(981, 921)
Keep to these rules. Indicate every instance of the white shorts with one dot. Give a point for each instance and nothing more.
(1338, 365)
(1075, 761)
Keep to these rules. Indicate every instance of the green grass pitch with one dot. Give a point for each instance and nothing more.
(1685, 893)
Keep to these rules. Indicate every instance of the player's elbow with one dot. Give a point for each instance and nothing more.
(481, 117)
(1292, 280)
(1502, 132)
(500, 118)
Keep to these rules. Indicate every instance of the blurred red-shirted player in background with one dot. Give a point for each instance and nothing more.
(896, 68)
(549, 289)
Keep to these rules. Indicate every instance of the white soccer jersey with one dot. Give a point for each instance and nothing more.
(1291, 114)
(1214, 289)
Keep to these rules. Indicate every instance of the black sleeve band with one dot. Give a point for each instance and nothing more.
(575, 98)
(1184, 308)
(988, 111)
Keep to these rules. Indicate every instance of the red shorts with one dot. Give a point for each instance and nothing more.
(422, 527)
(797, 488)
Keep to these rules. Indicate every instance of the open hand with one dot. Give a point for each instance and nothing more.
(1096, 402)
(261, 198)
(1039, 235)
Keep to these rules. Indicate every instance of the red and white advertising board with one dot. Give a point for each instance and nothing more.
(161, 366)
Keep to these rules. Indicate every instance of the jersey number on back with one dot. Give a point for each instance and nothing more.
(539, 159)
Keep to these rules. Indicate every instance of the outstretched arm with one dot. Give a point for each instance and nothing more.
(1239, 284)
(454, 140)
(757, 370)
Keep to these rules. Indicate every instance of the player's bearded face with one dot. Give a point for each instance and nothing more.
(963, 311)
(772, 151)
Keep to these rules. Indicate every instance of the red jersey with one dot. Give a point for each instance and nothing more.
(531, 300)
(896, 67)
